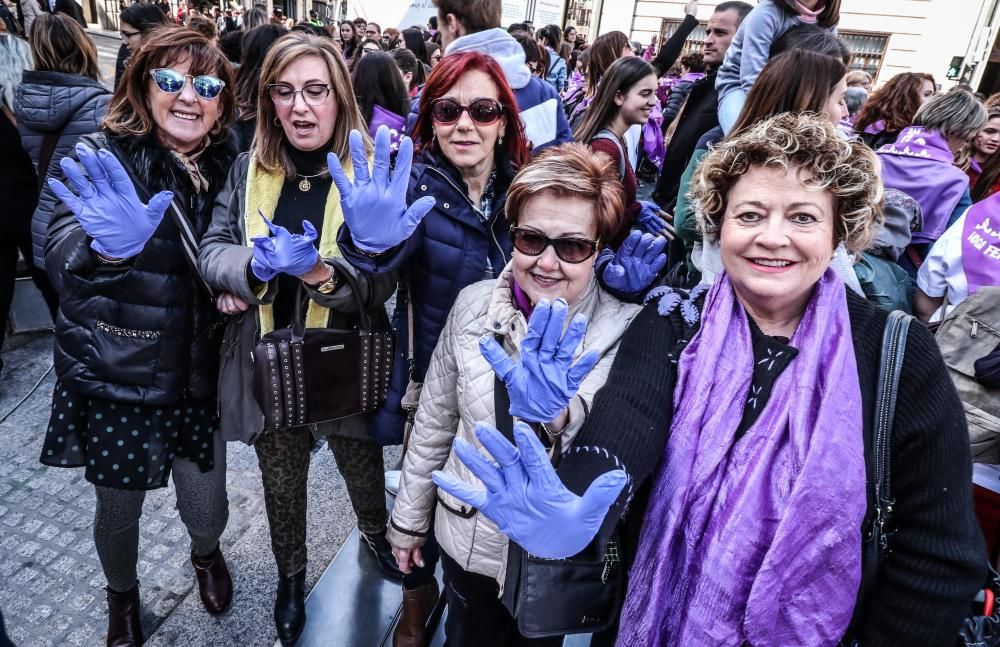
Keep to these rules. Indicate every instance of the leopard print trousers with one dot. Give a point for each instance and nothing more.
(284, 467)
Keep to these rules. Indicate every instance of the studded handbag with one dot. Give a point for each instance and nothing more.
(305, 376)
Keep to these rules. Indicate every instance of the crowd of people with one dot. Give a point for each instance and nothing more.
(662, 422)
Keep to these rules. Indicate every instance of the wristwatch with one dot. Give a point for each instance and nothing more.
(329, 286)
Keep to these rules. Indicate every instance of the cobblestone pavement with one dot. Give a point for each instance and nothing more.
(51, 584)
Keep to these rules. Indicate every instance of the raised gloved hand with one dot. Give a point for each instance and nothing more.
(636, 264)
(544, 380)
(524, 496)
(374, 206)
(293, 254)
(652, 220)
(107, 207)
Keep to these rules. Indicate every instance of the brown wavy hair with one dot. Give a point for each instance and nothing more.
(896, 103)
(794, 81)
(808, 143)
(59, 44)
(607, 49)
(129, 112)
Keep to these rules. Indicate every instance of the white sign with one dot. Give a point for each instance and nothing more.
(513, 11)
(548, 12)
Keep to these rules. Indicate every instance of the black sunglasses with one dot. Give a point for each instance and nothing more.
(482, 111)
(172, 82)
(569, 249)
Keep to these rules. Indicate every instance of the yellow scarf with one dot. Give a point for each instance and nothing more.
(263, 191)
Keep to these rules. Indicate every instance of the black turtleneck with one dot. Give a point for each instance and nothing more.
(294, 206)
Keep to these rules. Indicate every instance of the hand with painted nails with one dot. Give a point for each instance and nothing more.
(293, 254)
(107, 206)
(636, 264)
(374, 205)
(523, 496)
(544, 379)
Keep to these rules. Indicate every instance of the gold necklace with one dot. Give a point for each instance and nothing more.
(304, 184)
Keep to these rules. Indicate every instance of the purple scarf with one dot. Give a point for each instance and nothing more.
(521, 301)
(652, 137)
(921, 165)
(757, 540)
(383, 117)
(981, 244)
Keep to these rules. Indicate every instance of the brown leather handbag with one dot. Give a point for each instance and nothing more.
(304, 376)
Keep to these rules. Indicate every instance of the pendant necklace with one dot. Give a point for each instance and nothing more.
(304, 184)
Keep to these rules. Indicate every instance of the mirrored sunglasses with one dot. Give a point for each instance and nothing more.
(172, 82)
(482, 111)
(569, 249)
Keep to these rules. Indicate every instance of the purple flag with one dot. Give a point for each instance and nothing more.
(981, 244)
(383, 117)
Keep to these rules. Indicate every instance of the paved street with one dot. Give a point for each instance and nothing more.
(107, 54)
(51, 585)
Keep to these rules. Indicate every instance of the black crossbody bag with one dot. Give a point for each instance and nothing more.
(556, 597)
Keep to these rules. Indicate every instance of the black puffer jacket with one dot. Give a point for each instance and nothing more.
(52, 102)
(141, 332)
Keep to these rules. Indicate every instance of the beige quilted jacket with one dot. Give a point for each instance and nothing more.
(458, 393)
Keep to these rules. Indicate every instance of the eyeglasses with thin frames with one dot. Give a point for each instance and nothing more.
(314, 94)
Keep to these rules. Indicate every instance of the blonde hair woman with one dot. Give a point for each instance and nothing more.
(305, 110)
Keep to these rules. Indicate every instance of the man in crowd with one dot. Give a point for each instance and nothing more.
(700, 113)
(474, 25)
(373, 31)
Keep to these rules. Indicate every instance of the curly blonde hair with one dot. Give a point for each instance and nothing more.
(809, 144)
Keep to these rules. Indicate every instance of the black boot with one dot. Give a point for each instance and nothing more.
(382, 551)
(124, 628)
(290, 607)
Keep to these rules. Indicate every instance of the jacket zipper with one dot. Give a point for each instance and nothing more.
(489, 223)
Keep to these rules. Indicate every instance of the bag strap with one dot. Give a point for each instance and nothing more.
(610, 136)
(879, 517)
(301, 297)
(45, 155)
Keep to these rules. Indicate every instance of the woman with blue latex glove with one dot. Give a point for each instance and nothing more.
(137, 339)
(306, 110)
(374, 206)
(636, 264)
(524, 497)
(284, 252)
(108, 207)
(560, 209)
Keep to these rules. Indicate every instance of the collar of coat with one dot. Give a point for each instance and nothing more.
(262, 193)
(159, 170)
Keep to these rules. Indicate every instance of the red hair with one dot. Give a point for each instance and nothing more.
(445, 75)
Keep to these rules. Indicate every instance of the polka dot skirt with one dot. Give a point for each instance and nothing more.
(127, 446)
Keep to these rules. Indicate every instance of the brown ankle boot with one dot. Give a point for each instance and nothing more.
(411, 630)
(214, 583)
(124, 628)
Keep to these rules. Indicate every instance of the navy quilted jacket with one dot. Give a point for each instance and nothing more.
(54, 102)
(452, 248)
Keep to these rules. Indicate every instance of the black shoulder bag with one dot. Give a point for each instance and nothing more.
(307, 376)
(556, 597)
(982, 626)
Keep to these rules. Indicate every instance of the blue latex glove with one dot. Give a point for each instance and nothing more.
(108, 208)
(524, 496)
(636, 264)
(651, 220)
(545, 379)
(293, 254)
(374, 206)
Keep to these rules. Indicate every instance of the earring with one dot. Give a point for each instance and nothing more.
(500, 140)
(277, 122)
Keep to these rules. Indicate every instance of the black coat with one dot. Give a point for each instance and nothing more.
(141, 332)
(700, 115)
(937, 560)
